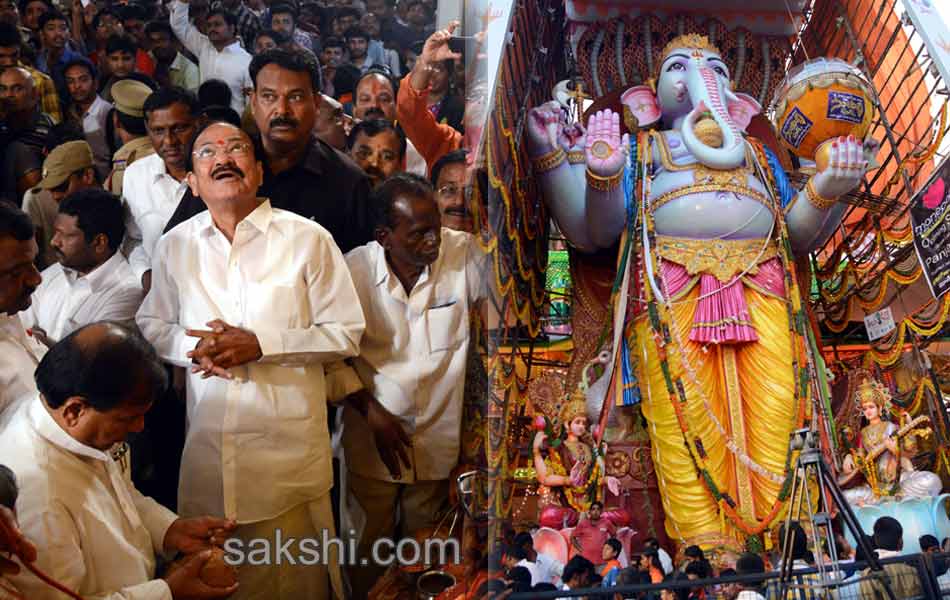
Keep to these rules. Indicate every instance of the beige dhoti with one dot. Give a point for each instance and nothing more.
(286, 576)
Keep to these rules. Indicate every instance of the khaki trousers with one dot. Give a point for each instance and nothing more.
(416, 504)
(280, 579)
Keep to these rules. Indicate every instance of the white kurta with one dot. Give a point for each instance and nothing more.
(229, 65)
(94, 532)
(67, 300)
(258, 445)
(151, 196)
(413, 354)
(19, 356)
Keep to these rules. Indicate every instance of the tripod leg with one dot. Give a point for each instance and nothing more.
(851, 522)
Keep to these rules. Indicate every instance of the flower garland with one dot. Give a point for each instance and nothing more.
(676, 389)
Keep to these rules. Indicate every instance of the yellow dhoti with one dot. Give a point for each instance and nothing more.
(740, 408)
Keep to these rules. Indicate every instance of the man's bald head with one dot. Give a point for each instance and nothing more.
(17, 90)
(105, 363)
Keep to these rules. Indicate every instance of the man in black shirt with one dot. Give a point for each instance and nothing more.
(301, 173)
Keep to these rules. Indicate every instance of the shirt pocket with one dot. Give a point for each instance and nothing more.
(446, 325)
(274, 306)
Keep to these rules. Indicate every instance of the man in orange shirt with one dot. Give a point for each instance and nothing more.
(431, 138)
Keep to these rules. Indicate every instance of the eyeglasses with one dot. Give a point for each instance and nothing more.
(234, 150)
(451, 190)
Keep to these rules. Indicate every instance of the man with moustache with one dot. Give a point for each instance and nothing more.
(220, 55)
(154, 185)
(375, 98)
(302, 174)
(255, 299)
(450, 176)
(378, 148)
(19, 352)
(92, 280)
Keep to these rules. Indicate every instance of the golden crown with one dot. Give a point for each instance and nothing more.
(690, 40)
(576, 406)
(873, 391)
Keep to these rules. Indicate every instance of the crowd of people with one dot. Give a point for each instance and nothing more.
(600, 561)
(227, 232)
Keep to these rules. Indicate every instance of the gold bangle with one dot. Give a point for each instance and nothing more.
(576, 157)
(550, 161)
(816, 200)
(604, 184)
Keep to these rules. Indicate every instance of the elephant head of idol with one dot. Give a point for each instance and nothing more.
(693, 94)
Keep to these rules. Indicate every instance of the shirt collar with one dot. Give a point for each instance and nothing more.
(235, 45)
(161, 172)
(180, 62)
(47, 427)
(99, 276)
(11, 325)
(384, 271)
(260, 218)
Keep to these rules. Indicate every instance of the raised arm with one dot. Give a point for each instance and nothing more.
(431, 139)
(188, 34)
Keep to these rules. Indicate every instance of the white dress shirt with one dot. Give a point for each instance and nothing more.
(68, 300)
(94, 532)
(750, 595)
(229, 65)
(413, 354)
(151, 197)
(257, 445)
(94, 130)
(19, 356)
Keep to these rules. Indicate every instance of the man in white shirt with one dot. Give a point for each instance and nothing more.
(543, 568)
(19, 352)
(220, 55)
(665, 561)
(89, 110)
(92, 280)
(750, 564)
(279, 300)
(153, 186)
(416, 284)
(94, 532)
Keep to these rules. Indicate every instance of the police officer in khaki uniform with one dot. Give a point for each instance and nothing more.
(129, 122)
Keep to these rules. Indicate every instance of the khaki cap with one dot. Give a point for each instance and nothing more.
(63, 161)
(129, 96)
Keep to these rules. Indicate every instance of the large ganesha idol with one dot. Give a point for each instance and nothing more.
(714, 329)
